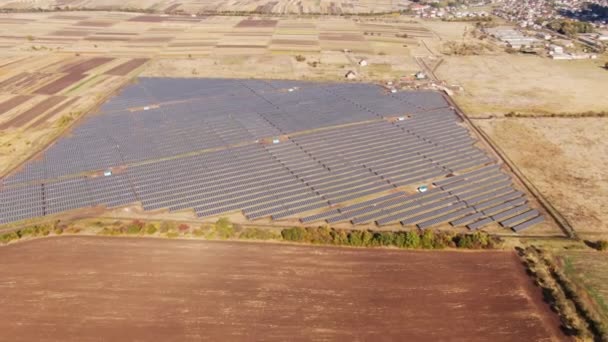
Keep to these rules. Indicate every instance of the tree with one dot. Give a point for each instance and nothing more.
(606, 66)
(355, 238)
(150, 229)
(224, 228)
(428, 239)
(412, 239)
(399, 239)
(294, 234)
(366, 238)
(183, 228)
(323, 235)
(339, 237)
(386, 238)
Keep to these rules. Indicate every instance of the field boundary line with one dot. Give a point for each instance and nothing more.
(561, 221)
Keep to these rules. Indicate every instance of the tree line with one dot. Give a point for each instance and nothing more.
(413, 239)
(223, 229)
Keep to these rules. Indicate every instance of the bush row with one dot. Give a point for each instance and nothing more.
(427, 239)
(36, 231)
(224, 229)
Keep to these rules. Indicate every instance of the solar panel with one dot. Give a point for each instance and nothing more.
(528, 224)
(510, 222)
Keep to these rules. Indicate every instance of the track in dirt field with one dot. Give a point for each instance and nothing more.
(94, 288)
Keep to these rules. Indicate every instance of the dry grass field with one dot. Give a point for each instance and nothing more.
(218, 6)
(136, 289)
(499, 84)
(566, 160)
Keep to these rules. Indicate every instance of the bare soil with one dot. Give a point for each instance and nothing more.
(84, 66)
(13, 102)
(33, 112)
(60, 84)
(93, 288)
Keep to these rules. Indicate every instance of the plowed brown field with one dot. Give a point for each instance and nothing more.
(93, 288)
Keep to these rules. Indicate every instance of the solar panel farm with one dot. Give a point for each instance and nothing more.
(152, 130)
(274, 149)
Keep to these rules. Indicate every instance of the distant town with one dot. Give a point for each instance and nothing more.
(558, 29)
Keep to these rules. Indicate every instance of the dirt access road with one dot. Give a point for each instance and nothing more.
(97, 288)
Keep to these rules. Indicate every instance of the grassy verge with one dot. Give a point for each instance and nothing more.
(223, 229)
(578, 319)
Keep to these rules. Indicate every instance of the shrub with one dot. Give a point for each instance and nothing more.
(198, 232)
(133, 229)
(476, 240)
(183, 228)
(151, 229)
(58, 230)
(367, 238)
(294, 234)
(34, 231)
(300, 58)
(166, 227)
(25, 232)
(257, 234)
(224, 228)
(44, 230)
(384, 239)
(427, 241)
(339, 237)
(399, 239)
(355, 238)
(412, 239)
(320, 235)
(444, 240)
(237, 227)
(602, 245)
(8, 237)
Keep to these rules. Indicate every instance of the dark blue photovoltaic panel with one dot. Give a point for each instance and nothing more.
(346, 153)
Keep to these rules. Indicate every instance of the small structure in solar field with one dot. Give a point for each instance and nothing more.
(420, 75)
(393, 90)
(146, 108)
(363, 63)
(275, 140)
(350, 75)
(423, 188)
(107, 173)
